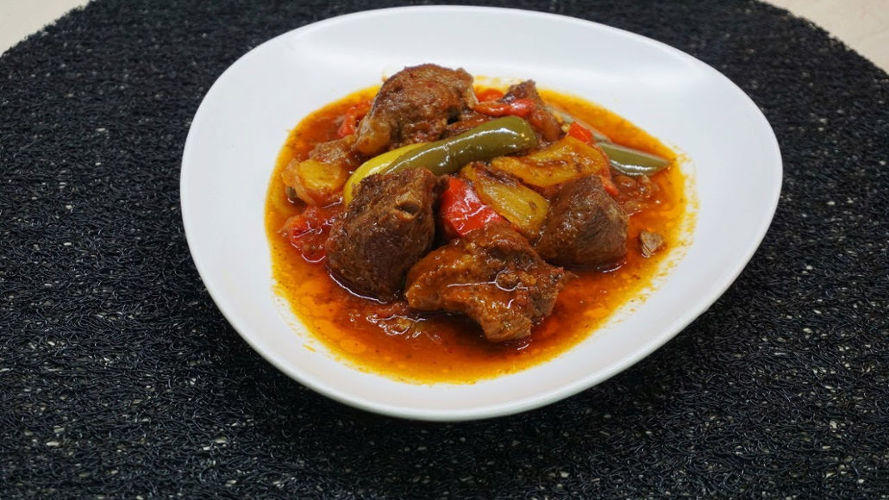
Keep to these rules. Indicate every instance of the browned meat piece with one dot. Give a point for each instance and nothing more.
(337, 152)
(649, 243)
(493, 276)
(415, 105)
(584, 226)
(541, 118)
(388, 226)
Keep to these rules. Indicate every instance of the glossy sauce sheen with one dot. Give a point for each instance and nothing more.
(390, 340)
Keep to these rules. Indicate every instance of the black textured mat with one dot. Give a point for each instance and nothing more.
(119, 377)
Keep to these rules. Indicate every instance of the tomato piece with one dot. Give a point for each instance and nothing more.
(308, 231)
(580, 133)
(351, 118)
(462, 211)
(489, 95)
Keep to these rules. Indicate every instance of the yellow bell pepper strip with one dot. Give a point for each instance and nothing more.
(564, 160)
(514, 201)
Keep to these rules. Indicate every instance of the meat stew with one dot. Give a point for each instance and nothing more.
(436, 230)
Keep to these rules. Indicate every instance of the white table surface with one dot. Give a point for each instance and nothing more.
(861, 24)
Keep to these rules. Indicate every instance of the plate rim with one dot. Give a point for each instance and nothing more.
(530, 402)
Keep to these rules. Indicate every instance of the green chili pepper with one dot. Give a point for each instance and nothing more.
(629, 161)
(498, 137)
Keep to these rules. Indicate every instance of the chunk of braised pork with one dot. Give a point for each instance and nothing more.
(584, 227)
(491, 275)
(388, 227)
(415, 105)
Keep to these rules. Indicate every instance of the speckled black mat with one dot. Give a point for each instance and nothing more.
(119, 377)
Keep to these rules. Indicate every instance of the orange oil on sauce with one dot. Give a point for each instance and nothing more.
(391, 341)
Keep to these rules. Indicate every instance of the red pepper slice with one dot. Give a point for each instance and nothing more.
(580, 133)
(522, 107)
(519, 107)
(350, 119)
(308, 231)
(489, 95)
(461, 210)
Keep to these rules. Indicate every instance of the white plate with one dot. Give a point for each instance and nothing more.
(246, 115)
